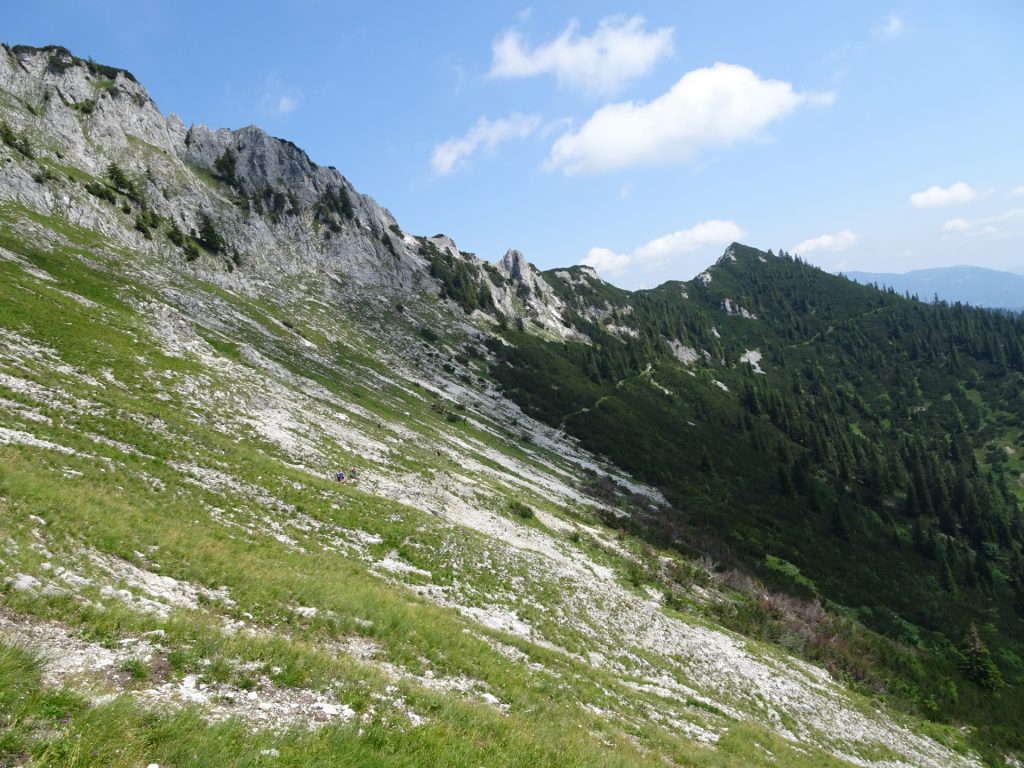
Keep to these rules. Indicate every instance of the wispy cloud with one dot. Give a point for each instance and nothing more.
(937, 197)
(1017, 191)
(712, 106)
(452, 154)
(891, 28)
(840, 241)
(620, 50)
(286, 103)
(458, 75)
(666, 248)
(279, 99)
(956, 225)
(986, 225)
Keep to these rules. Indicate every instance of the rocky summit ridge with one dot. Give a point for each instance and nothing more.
(198, 328)
(280, 213)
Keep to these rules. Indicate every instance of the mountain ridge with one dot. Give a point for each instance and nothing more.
(231, 338)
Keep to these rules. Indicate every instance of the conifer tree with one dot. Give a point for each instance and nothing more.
(976, 661)
(117, 177)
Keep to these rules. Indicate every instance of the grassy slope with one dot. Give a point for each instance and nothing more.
(119, 502)
(118, 489)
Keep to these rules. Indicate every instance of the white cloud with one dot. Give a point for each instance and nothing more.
(892, 27)
(712, 106)
(665, 248)
(607, 261)
(488, 134)
(840, 241)
(619, 51)
(987, 225)
(1017, 191)
(936, 197)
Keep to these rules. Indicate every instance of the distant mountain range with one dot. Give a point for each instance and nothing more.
(969, 285)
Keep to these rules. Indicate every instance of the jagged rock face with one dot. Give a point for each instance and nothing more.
(79, 119)
(580, 276)
(541, 304)
(281, 214)
(446, 245)
(59, 93)
(364, 247)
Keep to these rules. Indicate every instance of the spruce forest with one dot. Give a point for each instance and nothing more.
(867, 461)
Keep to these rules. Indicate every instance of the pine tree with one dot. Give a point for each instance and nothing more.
(208, 234)
(946, 577)
(117, 177)
(976, 661)
(225, 166)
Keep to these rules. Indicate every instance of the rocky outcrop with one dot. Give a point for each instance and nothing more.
(279, 214)
(527, 293)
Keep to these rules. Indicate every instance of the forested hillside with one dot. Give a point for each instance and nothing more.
(847, 444)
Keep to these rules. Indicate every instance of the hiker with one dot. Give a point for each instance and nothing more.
(352, 473)
(339, 476)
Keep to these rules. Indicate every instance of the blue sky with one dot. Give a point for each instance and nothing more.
(641, 138)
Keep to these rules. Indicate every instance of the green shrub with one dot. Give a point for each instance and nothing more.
(102, 191)
(7, 134)
(43, 175)
(124, 184)
(86, 107)
(175, 235)
(388, 244)
(15, 140)
(60, 60)
(136, 669)
(146, 221)
(519, 509)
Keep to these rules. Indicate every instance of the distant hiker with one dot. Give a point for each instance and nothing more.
(352, 473)
(339, 476)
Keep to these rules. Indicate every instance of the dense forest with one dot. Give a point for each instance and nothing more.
(849, 446)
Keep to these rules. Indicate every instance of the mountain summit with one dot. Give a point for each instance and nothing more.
(281, 481)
